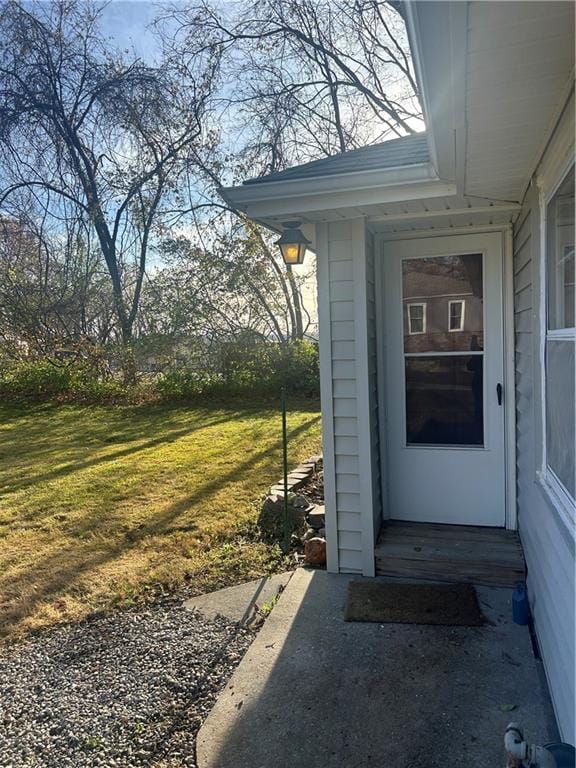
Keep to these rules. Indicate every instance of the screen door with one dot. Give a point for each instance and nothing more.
(444, 394)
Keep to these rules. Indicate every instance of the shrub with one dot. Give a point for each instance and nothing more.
(89, 389)
(257, 369)
(267, 367)
(181, 384)
(40, 380)
(34, 380)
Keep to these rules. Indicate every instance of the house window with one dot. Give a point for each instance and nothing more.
(560, 340)
(416, 318)
(456, 311)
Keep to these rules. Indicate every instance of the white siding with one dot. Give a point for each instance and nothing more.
(349, 395)
(548, 545)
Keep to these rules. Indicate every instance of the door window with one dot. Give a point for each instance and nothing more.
(444, 370)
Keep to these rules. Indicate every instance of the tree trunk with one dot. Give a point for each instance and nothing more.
(298, 329)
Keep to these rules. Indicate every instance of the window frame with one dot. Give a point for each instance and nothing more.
(557, 493)
(462, 303)
(408, 307)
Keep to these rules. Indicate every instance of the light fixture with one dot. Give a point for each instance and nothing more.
(292, 243)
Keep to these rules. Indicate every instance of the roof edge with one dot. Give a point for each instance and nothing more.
(324, 162)
(336, 182)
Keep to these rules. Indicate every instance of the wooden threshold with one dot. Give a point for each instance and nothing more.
(484, 556)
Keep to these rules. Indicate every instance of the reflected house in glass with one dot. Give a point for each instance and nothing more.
(444, 393)
(445, 264)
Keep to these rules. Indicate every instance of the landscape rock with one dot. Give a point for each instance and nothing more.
(125, 690)
(271, 518)
(299, 501)
(296, 542)
(273, 503)
(315, 551)
(310, 533)
(316, 518)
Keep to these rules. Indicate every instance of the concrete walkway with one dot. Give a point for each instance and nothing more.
(240, 603)
(316, 691)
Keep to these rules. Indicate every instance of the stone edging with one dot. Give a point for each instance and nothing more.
(297, 477)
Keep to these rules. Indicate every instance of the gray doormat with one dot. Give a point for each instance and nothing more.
(441, 604)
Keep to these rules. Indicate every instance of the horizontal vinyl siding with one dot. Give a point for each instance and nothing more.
(350, 561)
(349, 502)
(345, 406)
(344, 427)
(547, 546)
(344, 396)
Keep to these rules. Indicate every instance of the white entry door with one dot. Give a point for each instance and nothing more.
(444, 379)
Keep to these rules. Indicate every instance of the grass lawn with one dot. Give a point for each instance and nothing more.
(105, 506)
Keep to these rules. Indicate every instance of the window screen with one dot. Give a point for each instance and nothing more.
(560, 336)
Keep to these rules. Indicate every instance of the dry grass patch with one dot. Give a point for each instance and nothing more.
(105, 506)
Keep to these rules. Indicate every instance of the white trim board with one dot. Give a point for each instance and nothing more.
(316, 185)
(326, 394)
(553, 173)
(303, 201)
(363, 395)
(381, 376)
(509, 378)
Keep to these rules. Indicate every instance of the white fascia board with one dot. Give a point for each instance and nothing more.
(302, 204)
(433, 32)
(412, 28)
(244, 194)
(316, 204)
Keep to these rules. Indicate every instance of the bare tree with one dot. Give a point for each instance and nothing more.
(307, 78)
(227, 285)
(83, 126)
(129, 156)
(52, 290)
(298, 79)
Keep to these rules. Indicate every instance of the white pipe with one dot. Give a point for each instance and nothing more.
(529, 756)
(514, 743)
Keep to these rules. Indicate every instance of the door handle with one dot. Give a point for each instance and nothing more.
(499, 393)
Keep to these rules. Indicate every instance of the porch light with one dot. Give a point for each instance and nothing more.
(292, 243)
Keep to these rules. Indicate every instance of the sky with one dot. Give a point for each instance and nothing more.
(126, 21)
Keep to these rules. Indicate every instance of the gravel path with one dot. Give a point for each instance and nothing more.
(128, 689)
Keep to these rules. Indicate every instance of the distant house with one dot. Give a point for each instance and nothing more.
(446, 305)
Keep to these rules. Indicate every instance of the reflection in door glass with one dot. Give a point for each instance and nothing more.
(444, 400)
(443, 304)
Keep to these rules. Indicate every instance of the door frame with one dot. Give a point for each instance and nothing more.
(509, 401)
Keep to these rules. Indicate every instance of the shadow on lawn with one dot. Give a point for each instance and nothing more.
(64, 569)
(75, 429)
(20, 483)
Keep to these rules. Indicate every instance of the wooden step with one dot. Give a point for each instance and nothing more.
(489, 556)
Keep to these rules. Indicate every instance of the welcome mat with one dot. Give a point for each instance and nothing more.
(441, 604)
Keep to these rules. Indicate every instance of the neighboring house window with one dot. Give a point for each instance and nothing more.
(560, 341)
(456, 315)
(416, 318)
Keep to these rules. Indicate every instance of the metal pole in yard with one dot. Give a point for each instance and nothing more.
(285, 467)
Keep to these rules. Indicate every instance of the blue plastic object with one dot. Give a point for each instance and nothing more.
(520, 606)
(564, 754)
